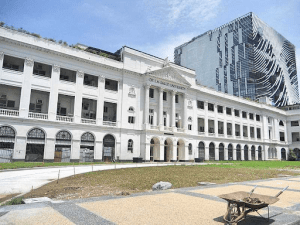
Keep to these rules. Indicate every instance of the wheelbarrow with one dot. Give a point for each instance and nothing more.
(240, 203)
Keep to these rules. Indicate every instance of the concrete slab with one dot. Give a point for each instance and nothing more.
(169, 208)
(34, 216)
(281, 184)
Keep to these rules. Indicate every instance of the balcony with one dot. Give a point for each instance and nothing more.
(41, 69)
(88, 121)
(40, 116)
(9, 112)
(65, 118)
(88, 112)
(109, 123)
(9, 100)
(13, 63)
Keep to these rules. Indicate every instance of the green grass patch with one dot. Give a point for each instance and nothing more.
(16, 165)
(257, 164)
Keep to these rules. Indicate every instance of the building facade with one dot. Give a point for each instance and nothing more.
(246, 58)
(63, 104)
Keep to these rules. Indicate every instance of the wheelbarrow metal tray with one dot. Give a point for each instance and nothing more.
(237, 197)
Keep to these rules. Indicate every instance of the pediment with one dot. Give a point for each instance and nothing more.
(169, 74)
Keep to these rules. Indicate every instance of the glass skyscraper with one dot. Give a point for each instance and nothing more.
(246, 58)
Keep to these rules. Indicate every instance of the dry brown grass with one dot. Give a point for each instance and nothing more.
(126, 181)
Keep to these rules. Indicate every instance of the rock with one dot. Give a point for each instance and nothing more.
(205, 183)
(161, 186)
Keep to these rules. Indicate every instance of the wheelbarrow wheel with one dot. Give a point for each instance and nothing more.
(234, 214)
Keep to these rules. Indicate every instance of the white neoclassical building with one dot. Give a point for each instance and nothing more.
(59, 103)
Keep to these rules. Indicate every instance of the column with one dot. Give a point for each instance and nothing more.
(225, 151)
(78, 97)
(185, 96)
(20, 149)
(26, 88)
(225, 128)
(265, 128)
(173, 112)
(146, 108)
(49, 150)
(53, 92)
(100, 102)
(75, 151)
(160, 110)
(146, 157)
(276, 130)
(118, 151)
(242, 153)
(234, 152)
(161, 151)
(174, 155)
(98, 151)
(206, 151)
(285, 132)
(1, 63)
(206, 120)
(216, 119)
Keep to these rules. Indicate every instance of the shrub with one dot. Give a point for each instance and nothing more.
(15, 201)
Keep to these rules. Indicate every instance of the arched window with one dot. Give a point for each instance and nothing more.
(211, 151)
(131, 109)
(87, 137)
(63, 135)
(130, 145)
(36, 133)
(281, 123)
(230, 152)
(190, 119)
(238, 153)
(190, 149)
(201, 150)
(6, 131)
(221, 151)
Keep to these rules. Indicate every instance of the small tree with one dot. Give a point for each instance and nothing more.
(292, 155)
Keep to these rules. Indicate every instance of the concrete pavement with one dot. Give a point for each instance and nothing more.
(196, 205)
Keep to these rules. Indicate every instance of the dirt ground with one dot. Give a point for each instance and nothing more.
(127, 181)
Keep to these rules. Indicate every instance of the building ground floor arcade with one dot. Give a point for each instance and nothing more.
(36, 141)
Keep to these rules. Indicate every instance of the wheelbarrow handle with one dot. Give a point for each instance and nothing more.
(280, 192)
(250, 193)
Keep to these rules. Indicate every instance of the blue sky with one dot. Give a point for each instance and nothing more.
(153, 26)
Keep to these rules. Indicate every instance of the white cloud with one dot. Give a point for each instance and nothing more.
(166, 47)
(171, 13)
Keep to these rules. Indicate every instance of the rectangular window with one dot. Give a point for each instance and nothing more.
(228, 111)
(257, 117)
(165, 96)
(220, 109)
(176, 99)
(177, 124)
(237, 113)
(165, 122)
(200, 105)
(151, 93)
(105, 109)
(244, 115)
(295, 123)
(251, 116)
(210, 107)
(131, 119)
(190, 126)
(111, 85)
(258, 133)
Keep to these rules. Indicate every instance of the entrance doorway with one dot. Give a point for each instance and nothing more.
(7, 143)
(87, 144)
(63, 147)
(109, 148)
(35, 145)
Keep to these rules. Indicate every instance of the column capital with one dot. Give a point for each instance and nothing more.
(173, 92)
(147, 86)
(80, 73)
(101, 78)
(56, 68)
(161, 89)
(29, 62)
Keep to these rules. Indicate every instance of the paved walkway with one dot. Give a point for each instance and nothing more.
(197, 205)
(23, 180)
